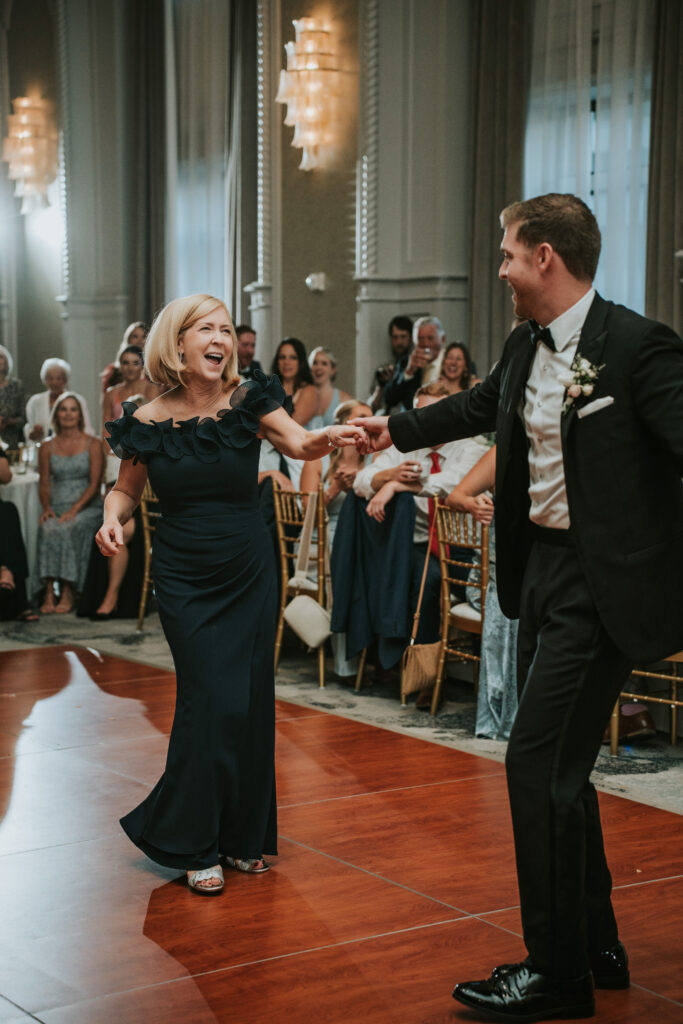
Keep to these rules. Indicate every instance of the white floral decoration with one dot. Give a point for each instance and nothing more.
(580, 380)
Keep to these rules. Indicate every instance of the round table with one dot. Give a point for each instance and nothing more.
(22, 491)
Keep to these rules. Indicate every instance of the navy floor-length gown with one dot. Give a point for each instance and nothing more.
(215, 582)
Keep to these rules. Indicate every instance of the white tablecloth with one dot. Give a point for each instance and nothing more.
(22, 490)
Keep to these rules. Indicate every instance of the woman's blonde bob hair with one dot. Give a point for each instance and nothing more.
(162, 358)
(54, 417)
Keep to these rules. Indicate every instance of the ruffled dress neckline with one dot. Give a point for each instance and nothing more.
(234, 427)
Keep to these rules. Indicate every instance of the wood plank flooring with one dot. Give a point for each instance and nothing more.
(395, 877)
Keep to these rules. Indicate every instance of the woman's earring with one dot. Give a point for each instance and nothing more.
(181, 355)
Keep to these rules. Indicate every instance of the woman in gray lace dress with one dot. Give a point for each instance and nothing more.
(70, 467)
(12, 402)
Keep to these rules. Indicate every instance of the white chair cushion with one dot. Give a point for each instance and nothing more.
(465, 611)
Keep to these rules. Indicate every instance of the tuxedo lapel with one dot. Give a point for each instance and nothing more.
(593, 333)
(513, 383)
(590, 347)
(516, 373)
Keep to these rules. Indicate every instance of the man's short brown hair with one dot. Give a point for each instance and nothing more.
(565, 222)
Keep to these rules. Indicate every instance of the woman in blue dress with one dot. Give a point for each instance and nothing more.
(323, 365)
(198, 443)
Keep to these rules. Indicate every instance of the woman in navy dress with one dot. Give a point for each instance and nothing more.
(215, 583)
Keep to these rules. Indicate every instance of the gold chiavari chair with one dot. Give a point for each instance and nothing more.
(667, 672)
(459, 530)
(290, 507)
(150, 514)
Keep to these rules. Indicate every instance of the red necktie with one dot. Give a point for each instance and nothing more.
(436, 468)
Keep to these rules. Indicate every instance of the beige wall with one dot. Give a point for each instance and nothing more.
(318, 213)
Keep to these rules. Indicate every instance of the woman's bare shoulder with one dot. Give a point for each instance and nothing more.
(305, 391)
(159, 409)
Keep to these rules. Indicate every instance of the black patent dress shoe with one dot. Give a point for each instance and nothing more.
(610, 968)
(517, 993)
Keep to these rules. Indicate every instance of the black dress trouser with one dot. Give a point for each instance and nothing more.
(570, 675)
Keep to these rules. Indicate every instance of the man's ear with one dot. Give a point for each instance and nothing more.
(544, 256)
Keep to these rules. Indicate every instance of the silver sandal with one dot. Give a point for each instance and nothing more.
(194, 877)
(248, 865)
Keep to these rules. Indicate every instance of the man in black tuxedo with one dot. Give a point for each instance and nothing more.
(588, 414)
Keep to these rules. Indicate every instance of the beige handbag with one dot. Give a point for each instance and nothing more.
(420, 661)
(304, 614)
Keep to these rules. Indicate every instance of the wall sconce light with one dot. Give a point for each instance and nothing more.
(31, 150)
(310, 87)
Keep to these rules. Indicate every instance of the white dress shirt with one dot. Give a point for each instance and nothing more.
(456, 459)
(269, 458)
(542, 414)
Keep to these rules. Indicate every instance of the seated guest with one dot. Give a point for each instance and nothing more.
(497, 692)
(134, 334)
(338, 470)
(112, 586)
(12, 402)
(54, 374)
(400, 334)
(423, 365)
(13, 563)
(372, 577)
(281, 468)
(456, 368)
(323, 365)
(428, 474)
(70, 468)
(291, 366)
(246, 349)
(133, 387)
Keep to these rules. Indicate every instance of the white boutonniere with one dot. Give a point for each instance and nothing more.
(580, 380)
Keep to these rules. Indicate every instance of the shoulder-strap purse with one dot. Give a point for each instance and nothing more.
(420, 661)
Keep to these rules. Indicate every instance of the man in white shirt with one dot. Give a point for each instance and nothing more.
(588, 412)
(430, 474)
(392, 472)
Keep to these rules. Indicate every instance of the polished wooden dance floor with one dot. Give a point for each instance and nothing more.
(395, 876)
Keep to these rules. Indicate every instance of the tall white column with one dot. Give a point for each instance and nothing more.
(265, 304)
(413, 183)
(92, 101)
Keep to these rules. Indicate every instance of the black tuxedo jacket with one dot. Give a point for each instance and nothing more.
(622, 463)
(399, 391)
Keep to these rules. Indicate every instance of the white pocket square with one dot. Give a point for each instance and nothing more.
(595, 406)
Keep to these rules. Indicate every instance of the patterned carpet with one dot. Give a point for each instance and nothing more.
(649, 770)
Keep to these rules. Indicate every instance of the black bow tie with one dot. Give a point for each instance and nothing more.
(543, 334)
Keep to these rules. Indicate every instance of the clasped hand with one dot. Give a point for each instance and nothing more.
(377, 436)
(346, 435)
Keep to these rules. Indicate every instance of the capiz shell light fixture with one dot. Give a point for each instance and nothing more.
(31, 149)
(310, 88)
